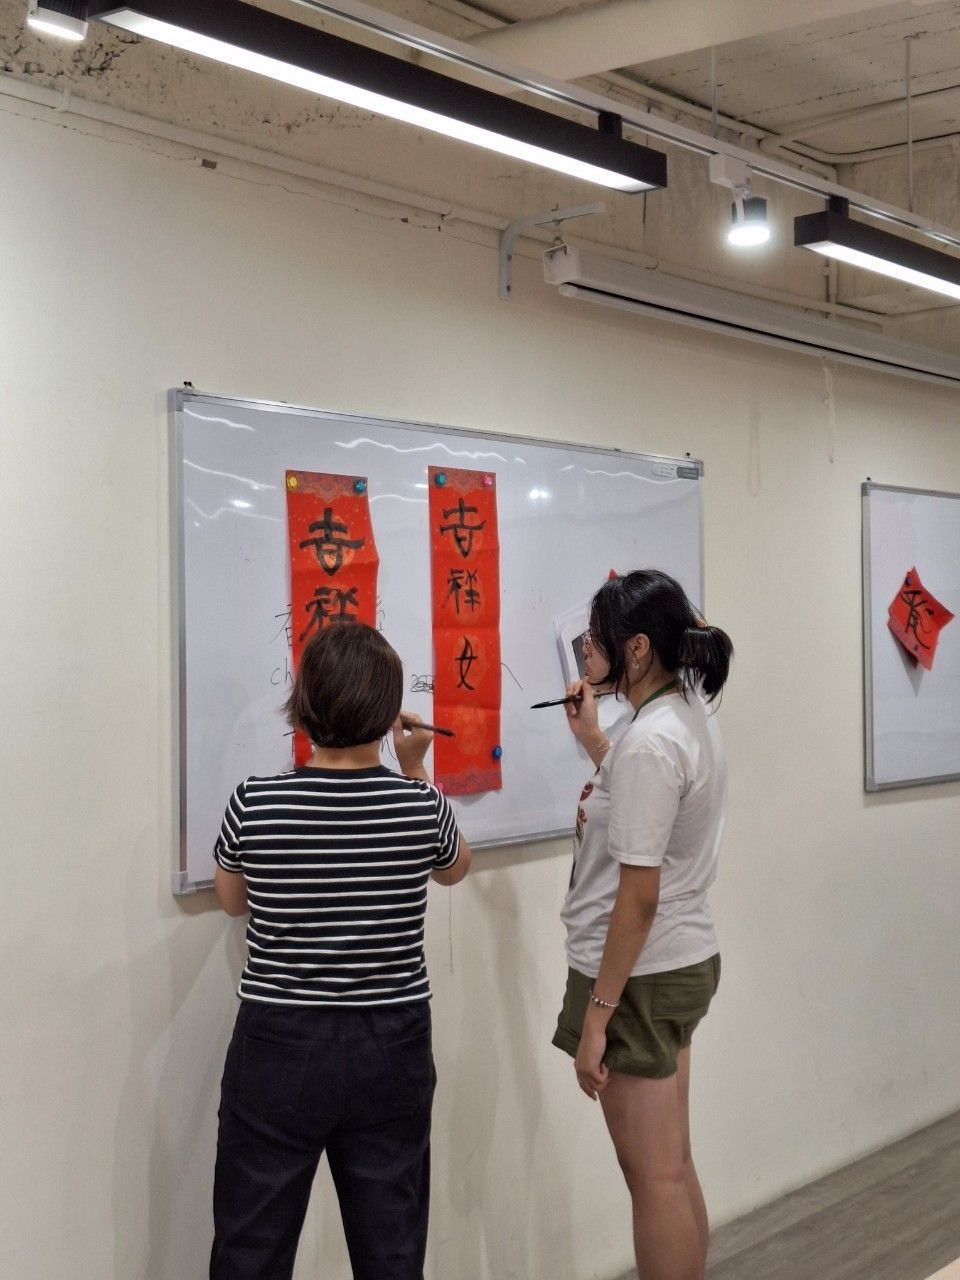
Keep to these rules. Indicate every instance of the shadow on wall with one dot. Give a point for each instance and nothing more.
(166, 1114)
(505, 1125)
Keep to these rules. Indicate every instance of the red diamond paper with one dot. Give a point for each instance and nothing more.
(917, 618)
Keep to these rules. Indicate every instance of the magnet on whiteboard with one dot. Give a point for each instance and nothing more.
(359, 486)
(488, 481)
(440, 479)
(293, 482)
(497, 753)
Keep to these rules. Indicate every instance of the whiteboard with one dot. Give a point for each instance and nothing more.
(912, 715)
(567, 515)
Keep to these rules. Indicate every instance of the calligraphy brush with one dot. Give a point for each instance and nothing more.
(430, 728)
(562, 702)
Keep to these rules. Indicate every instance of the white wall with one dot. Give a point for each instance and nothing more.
(127, 272)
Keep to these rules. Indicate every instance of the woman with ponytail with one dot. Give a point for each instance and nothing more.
(643, 955)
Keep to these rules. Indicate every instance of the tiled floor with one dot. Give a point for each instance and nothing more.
(892, 1216)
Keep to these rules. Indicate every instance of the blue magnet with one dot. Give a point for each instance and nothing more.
(359, 486)
(497, 752)
(440, 479)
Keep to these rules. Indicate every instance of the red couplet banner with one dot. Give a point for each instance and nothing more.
(333, 560)
(465, 573)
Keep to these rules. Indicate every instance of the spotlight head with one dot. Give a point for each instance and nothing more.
(750, 225)
(66, 19)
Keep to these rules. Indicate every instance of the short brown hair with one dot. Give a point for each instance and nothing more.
(348, 689)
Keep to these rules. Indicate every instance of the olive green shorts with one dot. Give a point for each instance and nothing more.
(656, 1018)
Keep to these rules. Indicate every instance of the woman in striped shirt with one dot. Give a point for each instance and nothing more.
(331, 1049)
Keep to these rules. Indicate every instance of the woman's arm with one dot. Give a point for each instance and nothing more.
(411, 744)
(583, 721)
(454, 874)
(638, 896)
(231, 890)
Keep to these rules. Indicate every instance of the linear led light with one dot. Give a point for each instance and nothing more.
(65, 19)
(255, 40)
(836, 235)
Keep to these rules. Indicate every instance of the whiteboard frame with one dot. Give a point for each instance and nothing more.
(176, 399)
(870, 783)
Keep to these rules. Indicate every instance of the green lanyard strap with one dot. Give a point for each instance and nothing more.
(659, 694)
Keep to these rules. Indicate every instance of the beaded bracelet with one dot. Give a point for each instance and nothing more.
(603, 1004)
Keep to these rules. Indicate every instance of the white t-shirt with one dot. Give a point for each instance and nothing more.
(657, 800)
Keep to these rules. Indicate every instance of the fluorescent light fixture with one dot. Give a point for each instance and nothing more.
(750, 225)
(836, 235)
(253, 39)
(65, 19)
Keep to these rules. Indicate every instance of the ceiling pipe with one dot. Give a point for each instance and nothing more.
(866, 156)
(875, 111)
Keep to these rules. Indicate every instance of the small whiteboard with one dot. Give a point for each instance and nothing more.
(567, 516)
(912, 716)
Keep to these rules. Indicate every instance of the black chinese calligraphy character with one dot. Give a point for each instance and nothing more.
(461, 529)
(286, 627)
(328, 546)
(330, 604)
(465, 661)
(464, 581)
(915, 601)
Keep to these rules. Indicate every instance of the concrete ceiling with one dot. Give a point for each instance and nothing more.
(794, 79)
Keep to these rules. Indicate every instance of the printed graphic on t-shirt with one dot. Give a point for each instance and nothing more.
(582, 813)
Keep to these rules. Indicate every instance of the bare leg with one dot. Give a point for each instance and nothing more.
(644, 1119)
(689, 1169)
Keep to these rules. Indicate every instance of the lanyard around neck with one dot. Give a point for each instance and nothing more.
(659, 694)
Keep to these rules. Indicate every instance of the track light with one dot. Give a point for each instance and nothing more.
(66, 19)
(748, 212)
(244, 36)
(834, 234)
(750, 225)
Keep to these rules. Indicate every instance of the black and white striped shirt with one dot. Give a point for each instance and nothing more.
(336, 863)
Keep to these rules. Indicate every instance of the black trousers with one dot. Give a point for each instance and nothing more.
(356, 1083)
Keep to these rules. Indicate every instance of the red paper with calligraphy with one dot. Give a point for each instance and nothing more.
(465, 572)
(917, 618)
(333, 560)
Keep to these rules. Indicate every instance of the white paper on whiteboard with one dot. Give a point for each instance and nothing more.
(570, 628)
